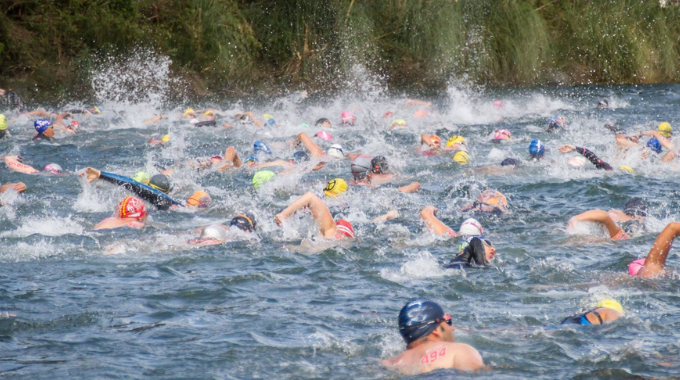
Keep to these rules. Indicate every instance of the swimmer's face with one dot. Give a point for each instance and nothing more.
(436, 143)
(327, 124)
(191, 115)
(49, 132)
(215, 161)
(446, 332)
(490, 252)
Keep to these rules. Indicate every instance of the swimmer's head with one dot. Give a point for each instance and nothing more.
(536, 149)
(199, 199)
(299, 157)
(96, 110)
(636, 207)
(344, 229)
(260, 147)
(502, 134)
(324, 122)
(611, 304)
(336, 151)
(251, 161)
(635, 266)
(436, 140)
(323, 135)
(455, 140)
(53, 168)
(214, 232)
(557, 121)
(627, 169)
(379, 165)
(462, 157)
(270, 123)
(335, 187)
(361, 167)
(189, 112)
(3, 122)
(262, 177)
(576, 162)
(165, 138)
(131, 208)
(654, 145)
(41, 125)
(665, 129)
(471, 227)
(398, 123)
(244, 222)
(419, 317)
(245, 119)
(267, 117)
(493, 198)
(348, 117)
(209, 113)
(510, 162)
(498, 104)
(604, 103)
(141, 177)
(160, 182)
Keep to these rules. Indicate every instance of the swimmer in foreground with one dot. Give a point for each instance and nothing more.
(329, 228)
(131, 212)
(606, 311)
(430, 341)
(654, 264)
(217, 233)
(477, 251)
(634, 211)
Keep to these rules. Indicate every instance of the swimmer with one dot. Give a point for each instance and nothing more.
(506, 166)
(536, 150)
(19, 187)
(15, 163)
(456, 143)
(655, 144)
(323, 122)
(373, 172)
(329, 228)
(501, 135)
(423, 107)
(347, 118)
(430, 341)
(217, 233)
(429, 215)
(489, 201)
(606, 311)
(599, 164)
(655, 262)
(603, 104)
(634, 210)
(556, 123)
(433, 143)
(3, 126)
(131, 212)
(44, 128)
(476, 251)
(313, 149)
(397, 123)
(163, 141)
(612, 128)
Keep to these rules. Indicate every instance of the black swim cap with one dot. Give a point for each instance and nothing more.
(418, 318)
(635, 207)
(379, 165)
(510, 162)
(360, 167)
(160, 182)
(321, 121)
(244, 222)
(300, 156)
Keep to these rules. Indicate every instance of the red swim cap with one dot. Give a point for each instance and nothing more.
(131, 208)
(345, 228)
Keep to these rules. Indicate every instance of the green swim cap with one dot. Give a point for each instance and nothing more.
(3, 122)
(141, 177)
(262, 177)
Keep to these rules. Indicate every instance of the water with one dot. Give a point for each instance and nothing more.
(267, 306)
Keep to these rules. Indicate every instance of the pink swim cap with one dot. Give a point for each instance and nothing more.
(348, 117)
(324, 135)
(635, 266)
(501, 133)
(498, 104)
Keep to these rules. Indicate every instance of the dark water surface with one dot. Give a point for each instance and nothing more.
(267, 306)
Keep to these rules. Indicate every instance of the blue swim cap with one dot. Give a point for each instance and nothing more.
(536, 149)
(300, 156)
(41, 125)
(270, 122)
(654, 145)
(510, 162)
(251, 159)
(418, 318)
(259, 146)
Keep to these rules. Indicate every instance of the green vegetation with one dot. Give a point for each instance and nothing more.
(247, 46)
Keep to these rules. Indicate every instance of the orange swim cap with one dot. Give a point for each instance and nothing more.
(436, 138)
(493, 198)
(131, 208)
(199, 199)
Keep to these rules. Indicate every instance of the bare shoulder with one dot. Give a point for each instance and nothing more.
(466, 357)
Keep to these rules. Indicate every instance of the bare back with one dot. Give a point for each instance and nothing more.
(434, 355)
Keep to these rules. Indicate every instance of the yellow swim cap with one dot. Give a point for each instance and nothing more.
(455, 140)
(3, 122)
(611, 304)
(462, 158)
(267, 116)
(165, 138)
(262, 177)
(209, 112)
(399, 122)
(335, 187)
(665, 129)
(627, 169)
(188, 111)
(142, 177)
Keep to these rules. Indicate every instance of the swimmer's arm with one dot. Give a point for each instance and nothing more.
(666, 143)
(410, 188)
(352, 156)
(656, 259)
(320, 213)
(466, 358)
(318, 166)
(593, 158)
(91, 173)
(274, 163)
(18, 187)
(230, 155)
(13, 164)
(153, 120)
(623, 140)
(39, 112)
(312, 147)
(390, 215)
(425, 139)
(598, 216)
(435, 225)
(415, 102)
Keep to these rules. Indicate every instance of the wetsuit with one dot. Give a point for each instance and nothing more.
(156, 197)
(207, 123)
(580, 319)
(594, 159)
(473, 255)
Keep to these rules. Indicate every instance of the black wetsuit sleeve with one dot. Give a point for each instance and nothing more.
(593, 159)
(161, 202)
(207, 123)
(473, 255)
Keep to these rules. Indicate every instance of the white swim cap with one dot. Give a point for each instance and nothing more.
(214, 231)
(336, 151)
(471, 227)
(576, 162)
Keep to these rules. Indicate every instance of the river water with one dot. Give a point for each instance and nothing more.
(276, 305)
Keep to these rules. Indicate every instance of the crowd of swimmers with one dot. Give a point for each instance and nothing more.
(426, 329)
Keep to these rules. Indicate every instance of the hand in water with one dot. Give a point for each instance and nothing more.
(92, 174)
(277, 220)
(567, 148)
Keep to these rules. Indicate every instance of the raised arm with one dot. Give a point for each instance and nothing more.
(656, 259)
(598, 216)
(313, 149)
(428, 214)
(320, 213)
